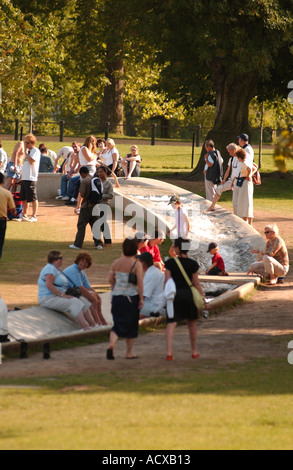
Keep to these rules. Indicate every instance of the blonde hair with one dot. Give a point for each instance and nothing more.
(273, 228)
(111, 142)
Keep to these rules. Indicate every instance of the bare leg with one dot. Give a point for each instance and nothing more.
(24, 208)
(82, 321)
(215, 200)
(129, 347)
(170, 331)
(131, 168)
(35, 206)
(89, 318)
(192, 326)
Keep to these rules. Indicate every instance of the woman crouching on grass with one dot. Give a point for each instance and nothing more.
(53, 285)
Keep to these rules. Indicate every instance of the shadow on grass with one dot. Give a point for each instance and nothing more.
(263, 377)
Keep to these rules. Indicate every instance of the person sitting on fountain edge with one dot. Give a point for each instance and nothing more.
(218, 265)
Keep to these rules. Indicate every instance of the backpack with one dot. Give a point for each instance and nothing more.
(215, 173)
(96, 195)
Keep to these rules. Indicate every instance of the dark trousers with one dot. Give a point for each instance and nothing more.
(85, 217)
(3, 225)
(215, 271)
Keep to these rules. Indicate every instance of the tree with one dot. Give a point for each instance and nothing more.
(28, 60)
(222, 51)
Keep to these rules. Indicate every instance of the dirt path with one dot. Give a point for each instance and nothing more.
(259, 328)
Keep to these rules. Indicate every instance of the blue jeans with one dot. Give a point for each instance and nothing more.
(64, 183)
(71, 185)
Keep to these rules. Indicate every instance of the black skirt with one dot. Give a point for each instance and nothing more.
(184, 308)
(125, 312)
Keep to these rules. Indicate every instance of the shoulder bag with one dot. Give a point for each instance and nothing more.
(72, 291)
(197, 298)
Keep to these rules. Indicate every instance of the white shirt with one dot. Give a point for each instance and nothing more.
(249, 152)
(236, 166)
(84, 162)
(182, 222)
(31, 172)
(153, 287)
(64, 151)
(3, 160)
(108, 156)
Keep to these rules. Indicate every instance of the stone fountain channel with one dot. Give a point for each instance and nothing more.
(145, 203)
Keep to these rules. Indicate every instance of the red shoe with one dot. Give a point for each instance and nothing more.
(195, 356)
(169, 358)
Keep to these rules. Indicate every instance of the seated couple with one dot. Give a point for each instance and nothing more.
(55, 294)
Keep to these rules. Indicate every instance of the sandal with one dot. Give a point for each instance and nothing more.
(195, 356)
(169, 358)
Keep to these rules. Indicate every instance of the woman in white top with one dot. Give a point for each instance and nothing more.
(245, 185)
(87, 155)
(111, 157)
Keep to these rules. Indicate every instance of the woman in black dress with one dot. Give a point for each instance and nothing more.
(184, 307)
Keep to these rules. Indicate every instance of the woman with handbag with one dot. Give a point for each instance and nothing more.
(126, 279)
(246, 189)
(53, 287)
(189, 300)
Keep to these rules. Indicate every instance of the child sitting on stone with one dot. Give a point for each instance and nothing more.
(218, 265)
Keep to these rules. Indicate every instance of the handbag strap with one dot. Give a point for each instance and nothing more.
(179, 264)
(68, 278)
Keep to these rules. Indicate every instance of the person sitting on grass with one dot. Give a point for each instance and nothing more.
(218, 265)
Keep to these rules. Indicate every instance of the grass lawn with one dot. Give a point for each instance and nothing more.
(246, 407)
(207, 406)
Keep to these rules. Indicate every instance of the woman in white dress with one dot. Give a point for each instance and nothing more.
(245, 185)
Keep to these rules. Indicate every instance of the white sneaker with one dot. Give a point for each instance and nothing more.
(33, 219)
(73, 247)
(99, 247)
(65, 198)
(58, 197)
(25, 218)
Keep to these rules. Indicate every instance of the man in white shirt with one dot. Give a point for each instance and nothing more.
(228, 184)
(30, 173)
(243, 142)
(153, 287)
(3, 159)
(62, 153)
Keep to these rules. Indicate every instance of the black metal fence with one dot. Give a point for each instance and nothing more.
(152, 131)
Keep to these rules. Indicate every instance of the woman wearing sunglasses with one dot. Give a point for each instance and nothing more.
(275, 259)
(53, 285)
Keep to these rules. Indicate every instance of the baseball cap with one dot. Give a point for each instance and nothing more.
(212, 246)
(243, 137)
(141, 236)
(174, 199)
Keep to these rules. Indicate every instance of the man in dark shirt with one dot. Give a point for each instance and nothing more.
(86, 210)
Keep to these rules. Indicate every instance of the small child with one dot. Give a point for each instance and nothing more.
(218, 265)
(182, 222)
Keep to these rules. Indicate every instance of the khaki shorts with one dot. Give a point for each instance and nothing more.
(73, 306)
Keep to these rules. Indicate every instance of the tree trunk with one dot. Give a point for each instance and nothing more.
(233, 95)
(112, 107)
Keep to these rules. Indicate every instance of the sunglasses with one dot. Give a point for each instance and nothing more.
(267, 232)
